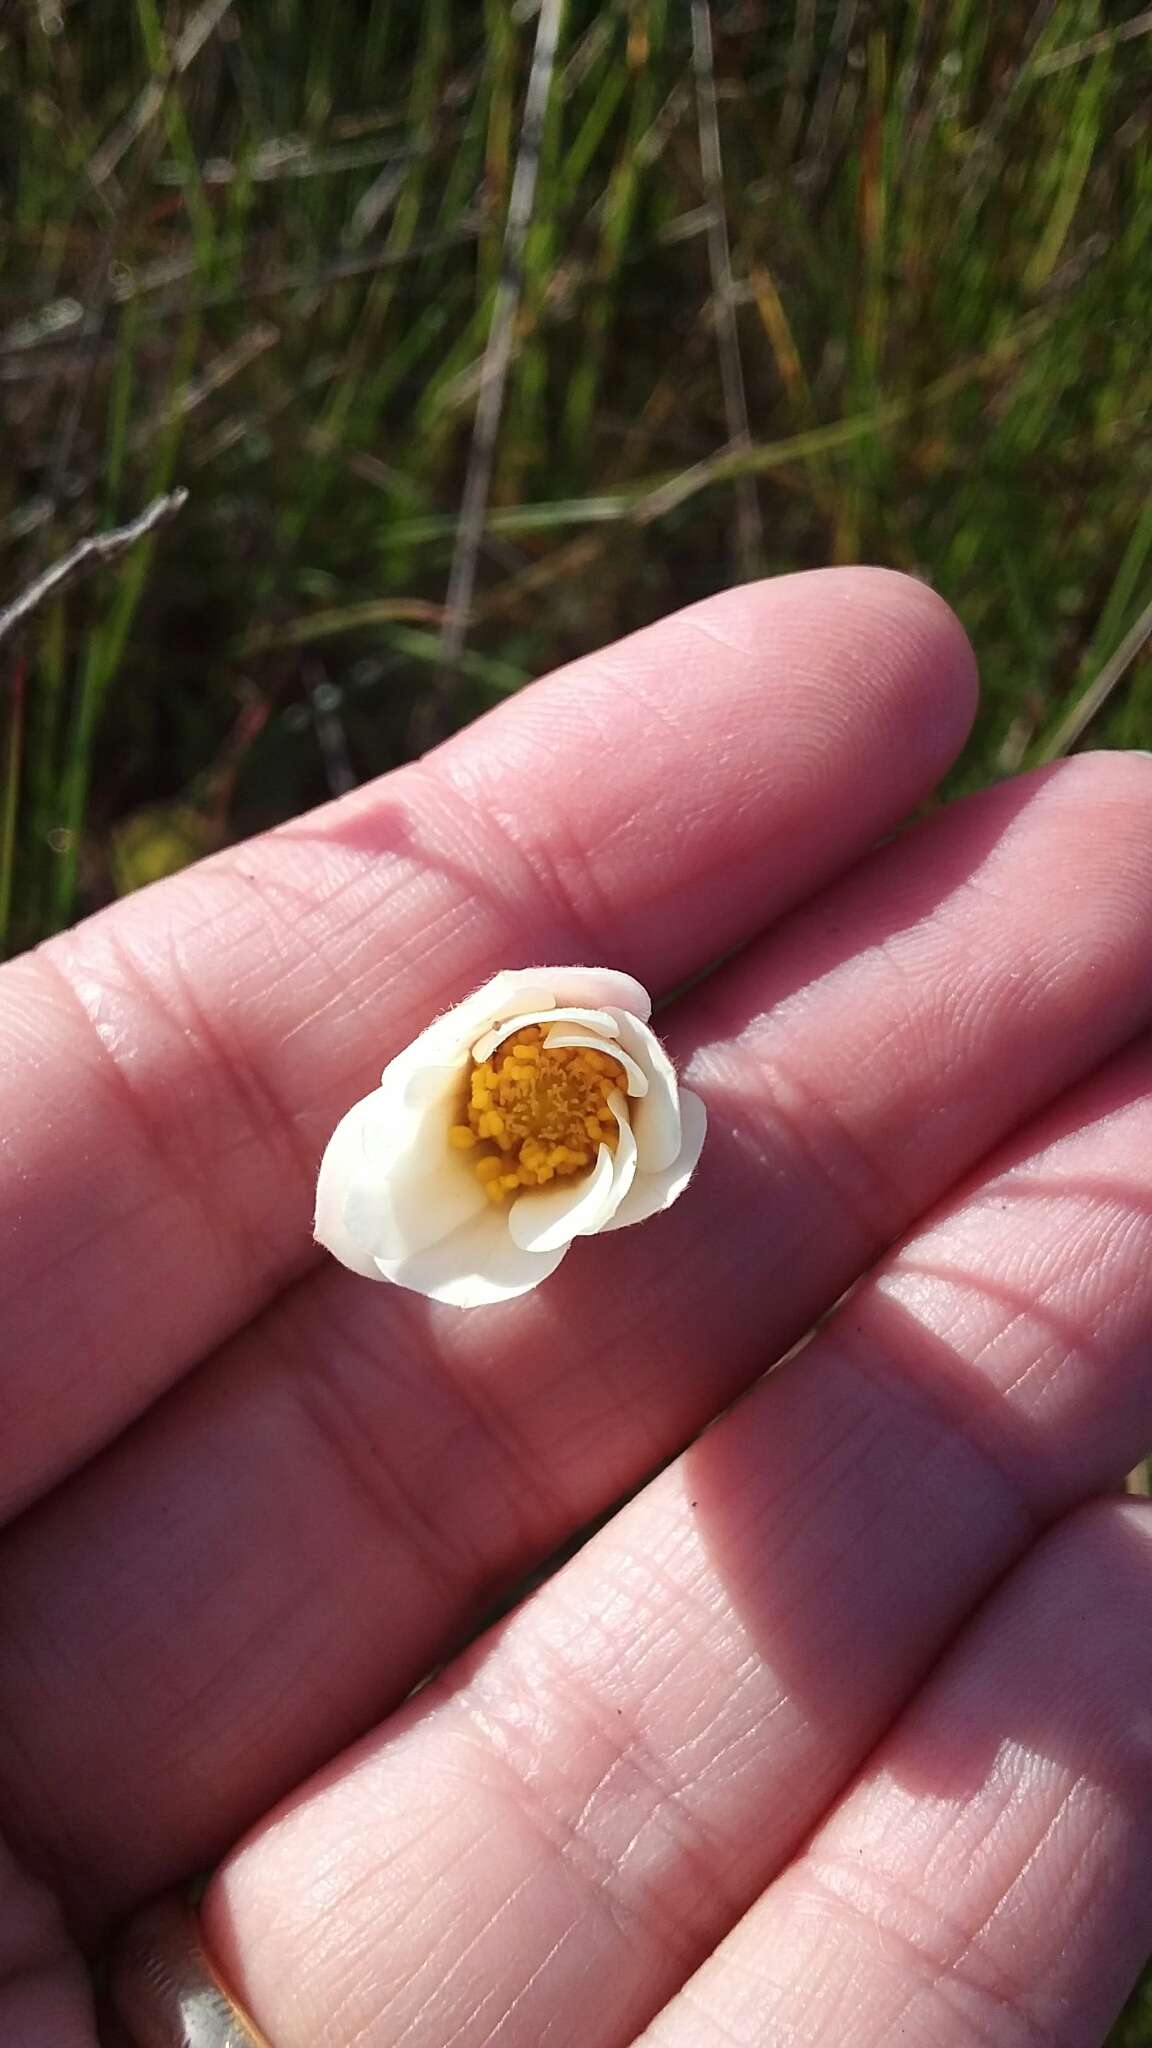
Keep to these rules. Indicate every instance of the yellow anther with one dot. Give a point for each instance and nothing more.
(535, 1112)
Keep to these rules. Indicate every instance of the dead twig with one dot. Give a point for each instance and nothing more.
(1105, 39)
(1098, 692)
(196, 33)
(498, 354)
(749, 533)
(227, 365)
(93, 553)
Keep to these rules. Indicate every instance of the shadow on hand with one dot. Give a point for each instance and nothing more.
(863, 1503)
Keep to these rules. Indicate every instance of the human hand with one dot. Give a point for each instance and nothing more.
(840, 1729)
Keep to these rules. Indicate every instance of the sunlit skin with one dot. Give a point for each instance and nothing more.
(839, 1731)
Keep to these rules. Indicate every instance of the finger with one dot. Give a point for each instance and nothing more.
(599, 1791)
(990, 1877)
(174, 1067)
(338, 1495)
(45, 2000)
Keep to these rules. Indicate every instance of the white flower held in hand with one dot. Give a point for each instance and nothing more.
(540, 1109)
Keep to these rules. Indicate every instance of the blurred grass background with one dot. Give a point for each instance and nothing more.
(802, 283)
(879, 288)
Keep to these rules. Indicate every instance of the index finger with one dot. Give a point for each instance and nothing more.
(173, 1068)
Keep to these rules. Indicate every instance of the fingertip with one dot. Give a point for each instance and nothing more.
(884, 636)
(1120, 773)
(1111, 1539)
(932, 666)
(1099, 803)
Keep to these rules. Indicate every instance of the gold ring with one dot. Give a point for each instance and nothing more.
(165, 1990)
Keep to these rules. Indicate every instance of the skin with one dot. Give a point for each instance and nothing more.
(839, 1730)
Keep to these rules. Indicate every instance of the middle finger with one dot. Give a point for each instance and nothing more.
(279, 1551)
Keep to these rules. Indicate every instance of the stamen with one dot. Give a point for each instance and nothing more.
(535, 1113)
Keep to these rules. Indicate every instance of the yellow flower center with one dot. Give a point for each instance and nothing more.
(535, 1112)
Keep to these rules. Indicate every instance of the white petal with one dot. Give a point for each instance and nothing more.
(543, 988)
(518, 989)
(344, 1163)
(448, 1039)
(476, 1265)
(424, 1201)
(514, 989)
(516, 993)
(656, 1121)
(601, 1021)
(422, 1069)
(637, 1078)
(581, 1208)
(598, 988)
(624, 1172)
(548, 1218)
(425, 1083)
(440, 1045)
(651, 1192)
(390, 1182)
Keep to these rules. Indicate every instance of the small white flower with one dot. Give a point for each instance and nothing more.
(540, 1109)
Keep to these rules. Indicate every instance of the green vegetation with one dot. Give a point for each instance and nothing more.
(1135, 2029)
(257, 250)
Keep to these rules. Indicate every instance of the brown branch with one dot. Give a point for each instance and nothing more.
(497, 360)
(1073, 725)
(197, 31)
(92, 553)
(749, 532)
